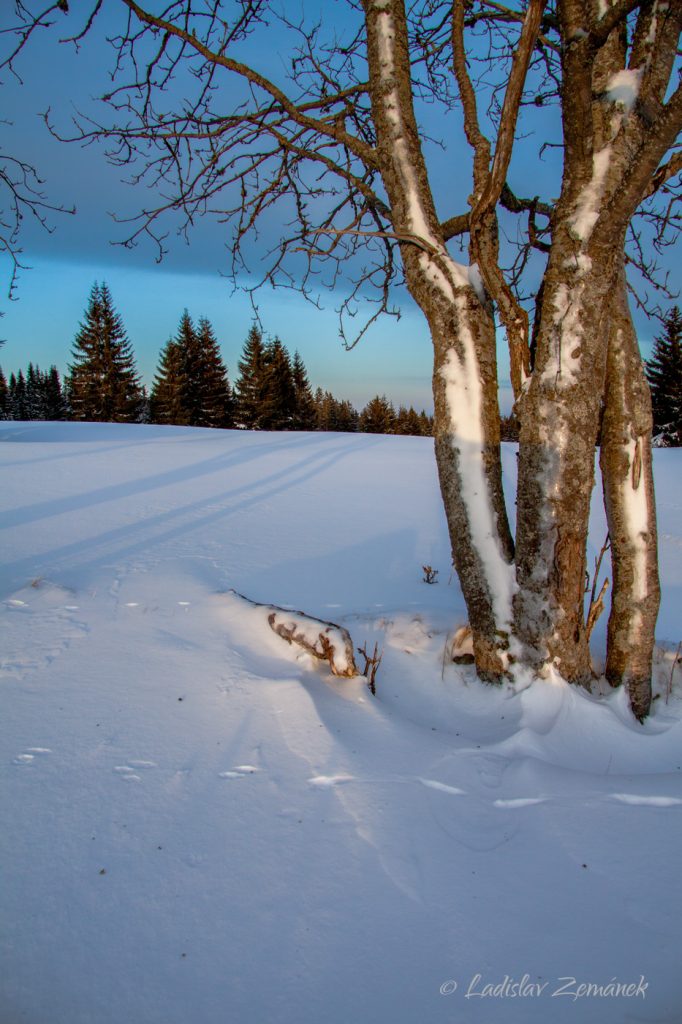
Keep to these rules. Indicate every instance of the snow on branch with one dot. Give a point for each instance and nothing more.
(323, 640)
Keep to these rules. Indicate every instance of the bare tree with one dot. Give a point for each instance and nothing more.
(337, 139)
(21, 187)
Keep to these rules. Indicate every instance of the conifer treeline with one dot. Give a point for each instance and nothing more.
(664, 373)
(35, 395)
(272, 391)
(191, 385)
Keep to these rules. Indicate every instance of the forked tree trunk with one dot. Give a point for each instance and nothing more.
(626, 467)
(528, 607)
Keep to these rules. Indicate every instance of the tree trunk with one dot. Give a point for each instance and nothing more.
(467, 444)
(626, 465)
(532, 612)
(559, 426)
(467, 429)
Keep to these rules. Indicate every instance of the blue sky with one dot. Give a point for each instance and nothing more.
(394, 358)
(40, 326)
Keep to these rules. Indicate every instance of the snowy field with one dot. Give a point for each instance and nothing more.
(200, 825)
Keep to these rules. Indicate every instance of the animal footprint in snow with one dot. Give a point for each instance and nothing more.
(521, 801)
(239, 772)
(326, 781)
(128, 772)
(39, 629)
(647, 801)
(30, 754)
(442, 787)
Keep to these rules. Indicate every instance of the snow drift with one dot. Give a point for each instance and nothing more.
(201, 823)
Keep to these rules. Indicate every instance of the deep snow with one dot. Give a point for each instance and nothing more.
(202, 825)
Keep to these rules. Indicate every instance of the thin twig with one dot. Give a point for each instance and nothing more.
(397, 235)
(596, 606)
(371, 663)
(669, 689)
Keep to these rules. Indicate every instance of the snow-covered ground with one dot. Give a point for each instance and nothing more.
(200, 825)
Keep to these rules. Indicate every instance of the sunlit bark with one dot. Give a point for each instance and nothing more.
(626, 466)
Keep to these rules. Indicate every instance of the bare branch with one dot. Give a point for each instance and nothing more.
(514, 317)
(665, 173)
(421, 243)
(614, 16)
(334, 130)
(27, 25)
(454, 226)
(475, 137)
(22, 196)
(88, 25)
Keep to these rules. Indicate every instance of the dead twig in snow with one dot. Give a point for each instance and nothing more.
(372, 664)
(669, 688)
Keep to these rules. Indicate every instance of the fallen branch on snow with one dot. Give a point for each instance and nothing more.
(324, 640)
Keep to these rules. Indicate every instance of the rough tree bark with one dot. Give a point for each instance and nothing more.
(626, 467)
(610, 150)
(559, 426)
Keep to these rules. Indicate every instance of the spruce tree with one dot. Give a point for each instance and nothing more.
(426, 422)
(168, 397)
(509, 428)
(212, 385)
(251, 387)
(104, 385)
(66, 396)
(189, 348)
(664, 373)
(54, 403)
(332, 415)
(144, 411)
(378, 416)
(325, 410)
(407, 422)
(304, 417)
(4, 395)
(346, 416)
(18, 408)
(35, 394)
(278, 401)
(191, 386)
